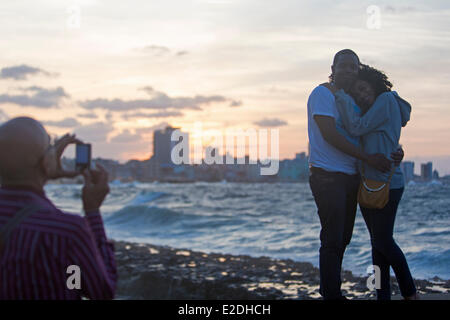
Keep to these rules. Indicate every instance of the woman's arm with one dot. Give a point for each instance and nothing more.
(352, 120)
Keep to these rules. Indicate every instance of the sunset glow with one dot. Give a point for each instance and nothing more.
(113, 72)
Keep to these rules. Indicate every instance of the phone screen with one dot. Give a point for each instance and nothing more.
(83, 154)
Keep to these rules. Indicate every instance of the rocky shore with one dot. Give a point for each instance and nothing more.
(156, 272)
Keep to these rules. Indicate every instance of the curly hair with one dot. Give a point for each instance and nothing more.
(376, 78)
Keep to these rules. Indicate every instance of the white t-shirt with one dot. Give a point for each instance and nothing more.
(321, 154)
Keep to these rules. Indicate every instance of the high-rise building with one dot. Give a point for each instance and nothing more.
(163, 145)
(300, 156)
(408, 170)
(162, 150)
(426, 171)
(294, 169)
(435, 175)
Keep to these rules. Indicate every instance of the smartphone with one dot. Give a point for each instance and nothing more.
(83, 156)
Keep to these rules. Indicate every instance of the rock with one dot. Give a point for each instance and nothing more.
(158, 272)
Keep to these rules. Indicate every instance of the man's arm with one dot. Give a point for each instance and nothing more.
(105, 247)
(327, 127)
(92, 250)
(97, 264)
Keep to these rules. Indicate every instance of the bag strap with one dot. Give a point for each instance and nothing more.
(380, 187)
(373, 189)
(13, 222)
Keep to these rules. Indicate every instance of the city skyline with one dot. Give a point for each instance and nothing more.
(113, 73)
(161, 160)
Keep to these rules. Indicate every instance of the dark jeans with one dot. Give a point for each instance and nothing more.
(385, 252)
(335, 195)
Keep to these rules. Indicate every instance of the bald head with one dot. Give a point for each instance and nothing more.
(23, 141)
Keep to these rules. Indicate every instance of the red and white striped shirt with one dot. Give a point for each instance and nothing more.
(33, 264)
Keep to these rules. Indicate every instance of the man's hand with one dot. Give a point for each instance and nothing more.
(398, 156)
(56, 151)
(379, 162)
(95, 188)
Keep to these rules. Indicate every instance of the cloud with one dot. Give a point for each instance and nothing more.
(276, 89)
(400, 9)
(109, 116)
(3, 116)
(95, 132)
(40, 97)
(161, 114)
(150, 129)
(126, 137)
(159, 51)
(158, 100)
(156, 50)
(21, 72)
(236, 103)
(273, 122)
(65, 123)
(87, 115)
(150, 90)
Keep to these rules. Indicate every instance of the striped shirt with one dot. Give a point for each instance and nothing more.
(34, 262)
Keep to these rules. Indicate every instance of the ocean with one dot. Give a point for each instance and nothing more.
(278, 220)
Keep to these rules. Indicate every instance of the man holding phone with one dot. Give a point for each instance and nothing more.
(38, 242)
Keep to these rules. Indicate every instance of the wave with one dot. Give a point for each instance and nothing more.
(278, 220)
(115, 183)
(140, 216)
(432, 232)
(427, 264)
(119, 184)
(228, 195)
(142, 219)
(145, 197)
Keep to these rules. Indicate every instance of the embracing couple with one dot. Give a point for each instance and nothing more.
(354, 125)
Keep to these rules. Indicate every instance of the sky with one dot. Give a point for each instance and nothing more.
(113, 71)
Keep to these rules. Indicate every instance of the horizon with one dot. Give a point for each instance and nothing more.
(417, 163)
(113, 73)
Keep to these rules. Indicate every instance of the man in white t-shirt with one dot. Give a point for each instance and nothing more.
(334, 178)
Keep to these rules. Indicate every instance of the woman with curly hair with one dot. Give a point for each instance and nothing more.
(376, 114)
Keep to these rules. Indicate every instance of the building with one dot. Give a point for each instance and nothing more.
(407, 168)
(296, 169)
(435, 175)
(426, 171)
(162, 151)
(163, 145)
